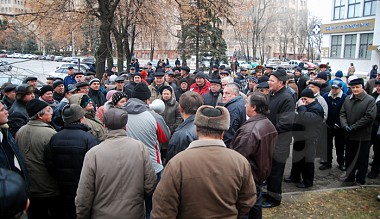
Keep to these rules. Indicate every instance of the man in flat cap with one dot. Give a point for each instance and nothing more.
(9, 95)
(121, 193)
(157, 84)
(33, 81)
(18, 115)
(32, 139)
(191, 184)
(356, 117)
(281, 114)
(70, 78)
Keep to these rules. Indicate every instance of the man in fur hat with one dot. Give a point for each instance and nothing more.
(191, 184)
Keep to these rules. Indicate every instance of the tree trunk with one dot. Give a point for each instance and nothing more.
(101, 54)
(120, 52)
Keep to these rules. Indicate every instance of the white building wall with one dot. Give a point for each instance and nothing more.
(363, 66)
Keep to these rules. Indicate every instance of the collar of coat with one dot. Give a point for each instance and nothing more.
(360, 96)
(339, 95)
(117, 133)
(206, 143)
(39, 123)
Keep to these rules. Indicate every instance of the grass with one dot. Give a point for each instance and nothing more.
(348, 203)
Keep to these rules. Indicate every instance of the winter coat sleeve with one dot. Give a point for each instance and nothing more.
(48, 160)
(166, 198)
(308, 117)
(286, 116)
(86, 187)
(150, 179)
(237, 118)
(16, 121)
(343, 113)
(179, 142)
(247, 193)
(368, 117)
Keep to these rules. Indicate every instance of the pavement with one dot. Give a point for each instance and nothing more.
(326, 179)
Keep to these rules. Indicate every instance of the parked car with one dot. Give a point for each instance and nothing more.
(83, 67)
(61, 72)
(5, 66)
(88, 59)
(294, 63)
(285, 65)
(271, 64)
(3, 55)
(66, 59)
(7, 77)
(245, 64)
(310, 65)
(58, 58)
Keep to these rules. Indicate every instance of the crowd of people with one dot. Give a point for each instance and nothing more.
(163, 142)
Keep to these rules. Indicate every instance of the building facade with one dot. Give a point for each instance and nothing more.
(352, 35)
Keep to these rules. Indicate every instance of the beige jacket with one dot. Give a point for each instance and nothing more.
(207, 180)
(115, 176)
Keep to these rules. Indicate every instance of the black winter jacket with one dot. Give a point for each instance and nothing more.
(334, 106)
(64, 159)
(182, 137)
(212, 98)
(236, 107)
(18, 117)
(97, 97)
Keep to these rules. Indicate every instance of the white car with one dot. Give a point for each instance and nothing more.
(245, 64)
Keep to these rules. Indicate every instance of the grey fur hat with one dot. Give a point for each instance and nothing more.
(217, 118)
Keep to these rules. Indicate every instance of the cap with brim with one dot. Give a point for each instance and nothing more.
(132, 68)
(315, 83)
(81, 84)
(222, 67)
(30, 79)
(70, 67)
(170, 72)
(268, 67)
(71, 88)
(9, 88)
(216, 81)
(377, 82)
(89, 73)
(224, 73)
(356, 81)
(307, 92)
(243, 68)
(263, 85)
(119, 79)
(78, 73)
(336, 84)
(159, 74)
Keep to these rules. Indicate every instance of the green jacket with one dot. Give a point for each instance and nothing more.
(32, 139)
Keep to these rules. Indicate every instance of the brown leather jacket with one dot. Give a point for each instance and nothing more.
(255, 140)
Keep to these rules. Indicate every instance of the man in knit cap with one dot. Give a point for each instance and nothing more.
(32, 138)
(121, 193)
(95, 93)
(148, 127)
(46, 95)
(187, 190)
(59, 90)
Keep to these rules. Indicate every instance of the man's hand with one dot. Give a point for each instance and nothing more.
(347, 129)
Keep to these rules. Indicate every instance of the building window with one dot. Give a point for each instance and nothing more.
(353, 8)
(349, 46)
(339, 9)
(369, 7)
(336, 46)
(365, 41)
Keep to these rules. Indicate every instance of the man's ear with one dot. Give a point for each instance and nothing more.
(180, 109)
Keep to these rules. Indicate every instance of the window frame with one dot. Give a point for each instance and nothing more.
(356, 8)
(369, 41)
(350, 45)
(336, 47)
(372, 10)
(341, 10)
